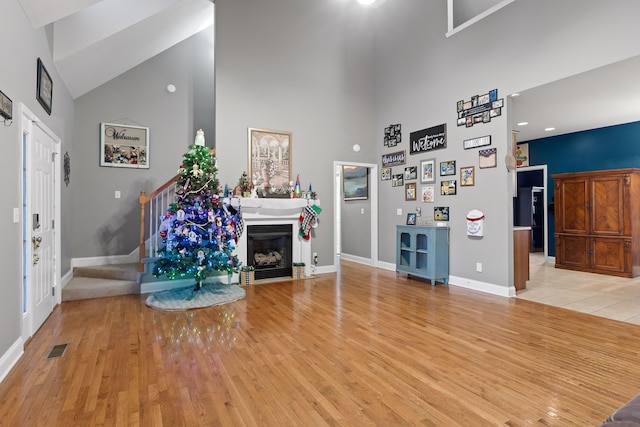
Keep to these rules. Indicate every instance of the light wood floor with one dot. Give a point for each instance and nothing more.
(359, 347)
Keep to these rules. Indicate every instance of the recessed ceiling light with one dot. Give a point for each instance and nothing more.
(549, 129)
(523, 123)
(513, 95)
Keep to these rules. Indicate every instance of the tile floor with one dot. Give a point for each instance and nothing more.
(598, 294)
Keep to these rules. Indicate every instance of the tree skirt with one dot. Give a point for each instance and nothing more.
(187, 299)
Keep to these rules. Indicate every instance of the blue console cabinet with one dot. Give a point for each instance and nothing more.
(423, 252)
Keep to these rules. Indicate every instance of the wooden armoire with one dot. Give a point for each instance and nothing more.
(597, 221)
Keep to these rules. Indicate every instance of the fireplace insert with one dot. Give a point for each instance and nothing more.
(269, 250)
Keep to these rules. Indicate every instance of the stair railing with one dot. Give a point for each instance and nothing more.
(158, 204)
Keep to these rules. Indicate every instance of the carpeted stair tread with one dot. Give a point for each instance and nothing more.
(80, 288)
(127, 271)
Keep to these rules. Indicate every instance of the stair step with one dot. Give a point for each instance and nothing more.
(80, 288)
(127, 271)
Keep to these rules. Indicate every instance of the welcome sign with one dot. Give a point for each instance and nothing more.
(433, 138)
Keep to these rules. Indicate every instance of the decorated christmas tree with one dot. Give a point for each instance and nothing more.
(200, 230)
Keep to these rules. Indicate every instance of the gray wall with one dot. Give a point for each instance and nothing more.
(421, 74)
(301, 66)
(20, 49)
(104, 225)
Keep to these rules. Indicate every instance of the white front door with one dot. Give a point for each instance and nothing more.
(42, 180)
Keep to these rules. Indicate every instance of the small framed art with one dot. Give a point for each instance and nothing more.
(441, 213)
(428, 194)
(427, 171)
(410, 191)
(44, 88)
(487, 158)
(411, 218)
(448, 188)
(448, 168)
(385, 174)
(410, 172)
(397, 180)
(467, 176)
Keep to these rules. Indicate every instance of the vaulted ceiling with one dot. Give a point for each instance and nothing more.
(95, 41)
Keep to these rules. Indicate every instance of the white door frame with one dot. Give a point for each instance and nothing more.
(337, 214)
(28, 121)
(545, 229)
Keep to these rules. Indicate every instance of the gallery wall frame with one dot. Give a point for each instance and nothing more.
(124, 146)
(488, 158)
(385, 174)
(448, 188)
(428, 194)
(355, 182)
(448, 168)
(270, 153)
(44, 87)
(467, 176)
(427, 171)
(410, 191)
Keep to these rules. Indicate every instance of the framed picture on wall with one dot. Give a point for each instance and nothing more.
(355, 183)
(44, 88)
(411, 218)
(467, 176)
(410, 191)
(448, 168)
(269, 158)
(124, 146)
(385, 174)
(427, 171)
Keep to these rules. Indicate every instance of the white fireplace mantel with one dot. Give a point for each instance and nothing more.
(257, 211)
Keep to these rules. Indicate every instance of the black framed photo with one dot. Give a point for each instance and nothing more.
(410, 173)
(448, 168)
(441, 213)
(44, 88)
(411, 218)
(397, 180)
(448, 188)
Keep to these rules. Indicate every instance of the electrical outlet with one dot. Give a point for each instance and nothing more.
(399, 211)
(479, 267)
(315, 258)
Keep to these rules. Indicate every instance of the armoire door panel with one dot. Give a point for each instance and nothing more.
(573, 210)
(609, 254)
(574, 251)
(607, 201)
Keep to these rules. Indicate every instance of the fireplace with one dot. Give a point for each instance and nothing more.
(269, 249)
(275, 212)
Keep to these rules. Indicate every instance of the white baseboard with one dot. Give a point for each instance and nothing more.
(489, 288)
(355, 258)
(103, 260)
(387, 266)
(323, 269)
(462, 282)
(10, 358)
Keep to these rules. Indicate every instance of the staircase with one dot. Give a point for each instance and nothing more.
(102, 281)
